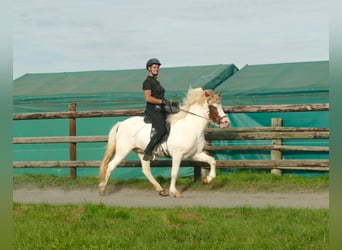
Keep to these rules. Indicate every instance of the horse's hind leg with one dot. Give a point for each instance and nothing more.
(119, 156)
(146, 169)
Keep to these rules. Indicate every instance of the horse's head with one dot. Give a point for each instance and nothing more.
(206, 99)
(216, 113)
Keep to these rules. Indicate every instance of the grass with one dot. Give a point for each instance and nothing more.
(244, 181)
(89, 226)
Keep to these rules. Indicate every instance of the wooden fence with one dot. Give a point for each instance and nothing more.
(276, 133)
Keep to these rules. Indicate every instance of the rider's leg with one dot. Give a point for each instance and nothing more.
(158, 123)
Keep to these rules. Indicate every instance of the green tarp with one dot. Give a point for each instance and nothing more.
(117, 89)
(270, 84)
(284, 83)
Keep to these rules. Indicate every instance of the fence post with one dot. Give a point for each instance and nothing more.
(276, 154)
(72, 132)
(197, 174)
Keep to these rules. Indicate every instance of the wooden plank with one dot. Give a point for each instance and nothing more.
(79, 114)
(265, 129)
(272, 163)
(78, 163)
(267, 135)
(267, 148)
(208, 136)
(140, 112)
(92, 139)
(319, 165)
(277, 108)
(59, 139)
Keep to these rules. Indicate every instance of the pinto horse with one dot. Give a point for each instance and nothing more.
(185, 140)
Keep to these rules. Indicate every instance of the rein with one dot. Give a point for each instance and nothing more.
(189, 112)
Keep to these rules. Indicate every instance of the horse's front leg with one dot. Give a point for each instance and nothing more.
(211, 161)
(174, 174)
(146, 169)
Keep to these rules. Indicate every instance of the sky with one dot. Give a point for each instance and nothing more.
(87, 35)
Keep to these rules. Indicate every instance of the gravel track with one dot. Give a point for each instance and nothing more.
(128, 197)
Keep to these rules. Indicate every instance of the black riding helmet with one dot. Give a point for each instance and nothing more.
(152, 61)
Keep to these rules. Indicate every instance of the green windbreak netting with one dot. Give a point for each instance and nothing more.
(286, 83)
(95, 90)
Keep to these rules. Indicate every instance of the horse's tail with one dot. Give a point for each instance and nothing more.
(110, 150)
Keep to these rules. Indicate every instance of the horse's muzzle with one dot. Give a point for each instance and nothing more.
(224, 122)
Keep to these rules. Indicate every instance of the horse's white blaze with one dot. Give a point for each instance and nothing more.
(186, 139)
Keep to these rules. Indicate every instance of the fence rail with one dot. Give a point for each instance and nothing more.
(133, 112)
(321, 165)
(276, 133)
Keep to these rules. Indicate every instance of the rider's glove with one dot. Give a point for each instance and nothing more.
(175, 104)
(166, 102)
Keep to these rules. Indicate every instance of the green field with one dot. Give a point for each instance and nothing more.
(89, 226)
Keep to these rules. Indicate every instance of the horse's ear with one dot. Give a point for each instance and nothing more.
(207, 94)
(219, 94)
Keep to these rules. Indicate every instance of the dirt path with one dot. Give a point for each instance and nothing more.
(127, 197)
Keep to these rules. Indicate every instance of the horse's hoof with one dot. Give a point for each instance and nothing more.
(102, 192)
(163, 193)
(176, 194)
(208, 179)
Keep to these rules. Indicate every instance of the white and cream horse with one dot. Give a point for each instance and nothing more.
(186, 139)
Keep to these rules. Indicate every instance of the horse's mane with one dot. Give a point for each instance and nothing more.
(196, 95)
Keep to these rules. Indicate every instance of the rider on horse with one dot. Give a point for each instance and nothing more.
(155, 106)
